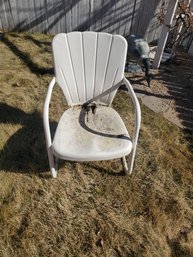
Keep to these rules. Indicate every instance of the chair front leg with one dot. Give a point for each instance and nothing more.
(47, 129)
(52, 163)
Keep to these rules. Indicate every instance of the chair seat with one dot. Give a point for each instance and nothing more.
(89, 135)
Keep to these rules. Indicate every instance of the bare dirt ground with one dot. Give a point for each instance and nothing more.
(171, 91)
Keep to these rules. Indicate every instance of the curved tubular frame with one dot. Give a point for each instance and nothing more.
(137, 123)
(47, 128)
(53, 160)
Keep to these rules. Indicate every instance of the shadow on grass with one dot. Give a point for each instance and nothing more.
(178, 82)
(104, 170)
(25, 150)
(179, 86)
(177, 249)
(25, 57)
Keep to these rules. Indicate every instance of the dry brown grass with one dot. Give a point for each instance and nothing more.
(90, 209)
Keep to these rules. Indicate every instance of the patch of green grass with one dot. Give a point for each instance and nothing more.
(89, 210)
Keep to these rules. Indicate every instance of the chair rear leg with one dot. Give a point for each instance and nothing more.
(52, 163)
(131, 161)
(128, 166)
(125, 166)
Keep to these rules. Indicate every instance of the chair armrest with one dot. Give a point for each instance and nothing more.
(135, 104)
(137, 110)
(46, 113)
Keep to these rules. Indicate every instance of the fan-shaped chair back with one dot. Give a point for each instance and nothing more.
(88, 64)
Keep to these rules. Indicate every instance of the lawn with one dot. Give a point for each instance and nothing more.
(92, 209)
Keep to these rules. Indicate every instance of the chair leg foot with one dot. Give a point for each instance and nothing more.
(128, 166)
(53, 172)
(53, 164)
(131, 162)
(125, 166)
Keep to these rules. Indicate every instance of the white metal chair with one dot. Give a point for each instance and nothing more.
(89, 68)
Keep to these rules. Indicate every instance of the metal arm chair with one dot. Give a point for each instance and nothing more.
(89, 68)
